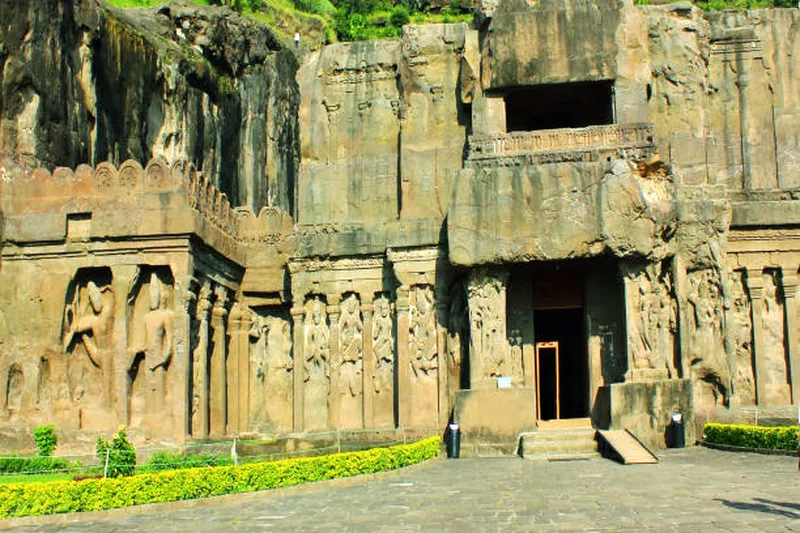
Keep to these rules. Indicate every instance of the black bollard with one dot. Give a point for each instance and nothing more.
(453, 442)
(677, 432)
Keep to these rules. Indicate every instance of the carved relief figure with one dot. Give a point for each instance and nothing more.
(740, 330)
(200, 363)
(774, 360)
(383, 347)
(88, 323)
(350, 363)
(707, 359)
(316, 365)
(488, 346)
(457, 340)
(155, 347)
(423, 332)
(271, 372)
(653, 324)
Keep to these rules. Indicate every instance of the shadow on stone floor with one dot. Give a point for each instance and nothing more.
(764, 506)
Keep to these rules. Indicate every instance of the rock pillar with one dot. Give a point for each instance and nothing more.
(790, 283)
(335, 361)
(218, 410)
(200, 385)
(368, 361)
(298, 371)
(238, 368)
(116, 381)
(755, 286)
(403, 363)
(181, 368)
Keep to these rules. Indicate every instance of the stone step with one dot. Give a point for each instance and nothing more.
(559, 445)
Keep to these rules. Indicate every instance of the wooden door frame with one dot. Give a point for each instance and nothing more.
(547, 346)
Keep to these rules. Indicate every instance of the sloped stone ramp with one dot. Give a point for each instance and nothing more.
(623, 446)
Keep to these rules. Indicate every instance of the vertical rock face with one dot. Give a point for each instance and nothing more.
(84, 83)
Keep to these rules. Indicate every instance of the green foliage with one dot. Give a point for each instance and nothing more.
(758, 437)
(319, 7)
(18, 465)
(24, 499)
(119, 452)
(46, 440)
(160, 461)
(399, 17)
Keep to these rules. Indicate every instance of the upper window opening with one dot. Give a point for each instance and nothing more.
(562, 105)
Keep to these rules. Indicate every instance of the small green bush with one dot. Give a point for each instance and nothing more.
(46, 440)
(161, 461)
(119, 452)
(29, 465)
(25, 499)
(758, 437)
(399, 17)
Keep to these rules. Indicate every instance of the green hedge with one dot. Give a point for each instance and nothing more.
(27, 465)
(24, 499)
(758, 437)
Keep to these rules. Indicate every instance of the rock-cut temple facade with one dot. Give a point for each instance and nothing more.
(568, 209)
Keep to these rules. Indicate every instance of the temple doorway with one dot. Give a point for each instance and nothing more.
(562, 369)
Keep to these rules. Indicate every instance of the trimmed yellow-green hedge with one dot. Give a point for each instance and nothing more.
(757, 437)
(25, 499)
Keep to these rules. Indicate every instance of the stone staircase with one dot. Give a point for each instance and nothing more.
(566, 444)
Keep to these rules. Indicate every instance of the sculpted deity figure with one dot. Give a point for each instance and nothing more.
(318, 344)
(89, 325)
(708, 364)
(352, 344)
(741, 331)
(157, 346)
(423, 329)
(774, 355)
(382, 345)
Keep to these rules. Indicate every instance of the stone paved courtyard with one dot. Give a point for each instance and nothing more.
(694, 489)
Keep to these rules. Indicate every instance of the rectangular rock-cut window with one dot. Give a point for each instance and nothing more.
(79, 226)
(560, 105)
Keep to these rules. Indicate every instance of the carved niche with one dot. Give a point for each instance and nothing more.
(423, 360)
(87, 337)
(350, 378)
(271, 369)
(316, 364)
(458, 340)
(740, 334)
(706, 358)
(653, 322)
(150, 348)
(383, 353)
(775, 373)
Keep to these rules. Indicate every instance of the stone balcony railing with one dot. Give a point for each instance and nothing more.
(556, 145)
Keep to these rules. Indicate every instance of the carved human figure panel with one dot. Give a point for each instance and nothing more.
(709, 365)
(424, 361)
(87, 337)
(352, 342)
(653, 324)
(774, 360)
(383, 346)
(317, 342)
(271, 367)
(487, 325)
(152, 347)
(740, 330)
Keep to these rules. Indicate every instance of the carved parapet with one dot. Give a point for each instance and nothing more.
(566, 144)
(271, 226)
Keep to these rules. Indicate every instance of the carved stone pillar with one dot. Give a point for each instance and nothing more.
(755, 286)
(443, 411)
(368, 360)
(181, 367)
(298, 359)
(200, 385)
(237, 368)
(335, 360)
(116, 384)
(218, 410)
(403, 395)
(790, 283)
